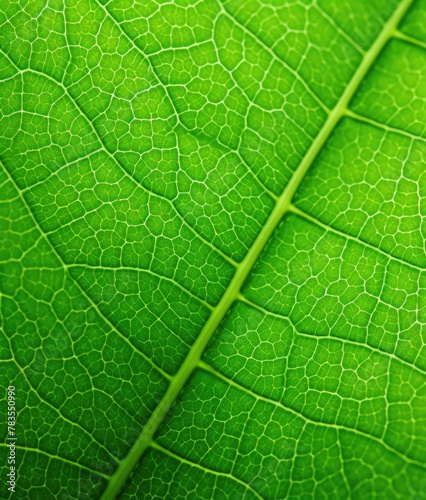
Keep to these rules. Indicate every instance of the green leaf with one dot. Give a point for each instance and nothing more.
(213, 248)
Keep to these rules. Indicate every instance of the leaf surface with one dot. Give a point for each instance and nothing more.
(213, 271)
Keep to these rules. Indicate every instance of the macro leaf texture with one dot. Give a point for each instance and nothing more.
(212, 253)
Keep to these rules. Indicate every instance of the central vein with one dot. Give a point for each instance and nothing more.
(283, 203)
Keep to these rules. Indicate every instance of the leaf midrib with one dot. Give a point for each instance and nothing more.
(283, 203)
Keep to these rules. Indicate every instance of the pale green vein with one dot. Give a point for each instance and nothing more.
(89, 299)
(50, 405)
(330, 228)
(304, 417)
(222, 309)
(320, 337)
(144, 271)
(58, 412)
(51, 456)
(344, 341)
(182, 128)
(409, 39)
(169, 453)
(65, 166)
(340, 30)
(343, 462)
(382, 126)
(274, 56)
(113, 157)
(172, 103)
